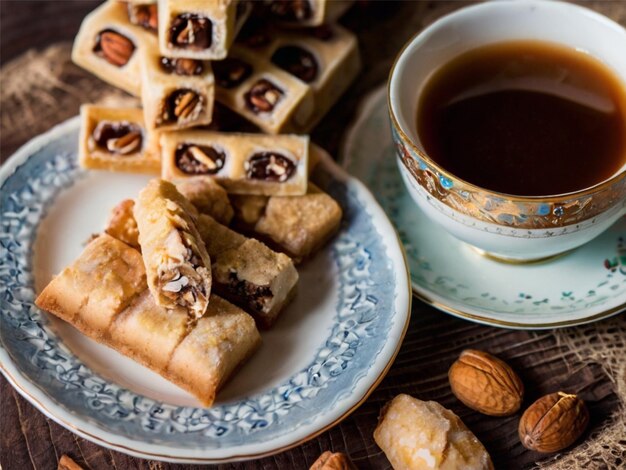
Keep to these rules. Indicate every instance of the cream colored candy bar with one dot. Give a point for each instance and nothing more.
(104, 295)
(325, 58)
(306, 12)
(200, 29)
(176, 93)
(177, 265)
(221, 340)
(115, 139)
(90, 296)
(423, 435)
(107, 45)
(207, 196)
(247, 272)
(242, 163)
(261, 92)
(144, 13)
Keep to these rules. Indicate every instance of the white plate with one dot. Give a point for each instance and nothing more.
(325, 355)
(584, 285)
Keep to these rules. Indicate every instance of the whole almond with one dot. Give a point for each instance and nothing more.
(486, 384)
(553, 422)
(333, 461)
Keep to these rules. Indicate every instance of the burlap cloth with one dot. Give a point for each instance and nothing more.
(41, 88)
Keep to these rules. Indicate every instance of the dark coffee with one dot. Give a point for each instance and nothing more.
(525, 118)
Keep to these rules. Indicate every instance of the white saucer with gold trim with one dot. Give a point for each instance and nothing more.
(581, 286)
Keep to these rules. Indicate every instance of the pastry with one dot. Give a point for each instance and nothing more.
(305, 12)
(177, 264)
(104, 295)
(207, 196)
(247, 272)
(122, 224)
(116, 139)
(200, 29)
(333, 461)
(107, 44)
(176, 92)
(261, 92)
(297, 225)
(416, 435)
(325, 58)
(242, 163)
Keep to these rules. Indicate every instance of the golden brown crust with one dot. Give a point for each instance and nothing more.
(207, 196)
(122, 224)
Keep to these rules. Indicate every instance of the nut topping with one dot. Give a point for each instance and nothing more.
(181, 106)
(191, 31)
(199, 159)
(291, 10)
(181, 66)
(269, 166)
(231, 72)
(263, 96)
(553, 422)
(114, 47)
(121, 138)
(297, 61)
(486, 384)
(145, 16)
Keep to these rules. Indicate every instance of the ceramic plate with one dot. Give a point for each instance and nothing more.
(328, 351)
(579, 287)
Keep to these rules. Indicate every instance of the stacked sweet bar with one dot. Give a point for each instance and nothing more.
(147, 286)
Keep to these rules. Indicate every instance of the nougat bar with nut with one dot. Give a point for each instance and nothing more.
(200, 29)
(241, 163)
(107, 45)
(176, 92)
(116, 139)
(297, 225)
(305, 12)
(177, 264)
(104, 295)
(261, 92)
(144, 13)
(247, 272)
(325, 58)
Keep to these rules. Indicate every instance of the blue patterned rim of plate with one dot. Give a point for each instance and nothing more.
(366, 312)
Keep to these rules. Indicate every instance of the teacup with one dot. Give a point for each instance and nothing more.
(515, 228)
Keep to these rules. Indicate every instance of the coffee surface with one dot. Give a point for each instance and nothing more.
(525, 118)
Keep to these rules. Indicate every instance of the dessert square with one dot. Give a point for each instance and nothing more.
(176, 92)
(200, 29)
(107, 45)
(261, 92)
(241, 163)
(207, 196)
(116, 139)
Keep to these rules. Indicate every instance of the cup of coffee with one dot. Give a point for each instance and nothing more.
(509, 120)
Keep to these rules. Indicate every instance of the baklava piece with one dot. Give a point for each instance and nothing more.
(107, 44)
(116, 139)
(263, 93)
(177, 264)
(200, 29)
(96, 287)
(305, 12)
(248, 273)
(421, 435)
(208, 197)
(122, 224)
(241, 163)
(176, 92)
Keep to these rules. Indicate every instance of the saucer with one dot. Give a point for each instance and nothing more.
(584, 285)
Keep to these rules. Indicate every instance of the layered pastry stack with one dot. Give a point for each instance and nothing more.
(183, 276)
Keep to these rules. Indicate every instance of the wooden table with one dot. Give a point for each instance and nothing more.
(547, 360)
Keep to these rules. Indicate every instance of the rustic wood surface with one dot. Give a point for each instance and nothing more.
(30, 440)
